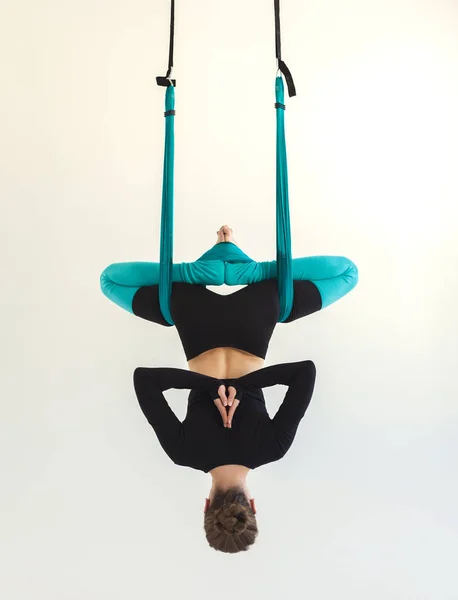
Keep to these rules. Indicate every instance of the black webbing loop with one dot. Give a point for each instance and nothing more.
(169, 113)
(165, 81)
(281, 65)
(280, 105)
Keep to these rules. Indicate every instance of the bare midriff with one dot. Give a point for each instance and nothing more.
(225, 363)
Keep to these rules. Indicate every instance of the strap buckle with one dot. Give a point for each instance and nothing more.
(166, 81)
(289, 78)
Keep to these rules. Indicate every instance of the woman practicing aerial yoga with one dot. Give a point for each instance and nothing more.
(227, 430)
(225, 339)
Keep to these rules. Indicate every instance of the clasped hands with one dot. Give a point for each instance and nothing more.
(226, 403)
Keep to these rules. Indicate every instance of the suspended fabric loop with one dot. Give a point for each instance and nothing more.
(283, 228)
(284, 254)
(166, 253)
(166, 247)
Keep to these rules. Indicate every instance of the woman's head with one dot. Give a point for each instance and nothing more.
(230, 522)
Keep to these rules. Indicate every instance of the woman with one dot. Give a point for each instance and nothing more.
(225, 339)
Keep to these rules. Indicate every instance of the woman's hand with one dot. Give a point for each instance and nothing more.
(223, 401)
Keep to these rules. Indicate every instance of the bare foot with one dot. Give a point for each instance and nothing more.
(225, 234)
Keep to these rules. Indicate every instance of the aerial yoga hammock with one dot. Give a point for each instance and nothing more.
(276, 291)
(225, 263)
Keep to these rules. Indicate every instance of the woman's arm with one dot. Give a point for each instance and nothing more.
(149, 386)
(300, 379)
(150, 383)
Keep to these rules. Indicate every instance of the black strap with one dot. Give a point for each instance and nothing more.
(165, 81)
(281, 65)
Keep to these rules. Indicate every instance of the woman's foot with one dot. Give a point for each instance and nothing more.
(225, 234)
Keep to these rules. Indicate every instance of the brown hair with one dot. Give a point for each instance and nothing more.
(230, 523)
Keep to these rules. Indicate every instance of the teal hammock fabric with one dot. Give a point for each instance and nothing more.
(166, 252)
(284, 256)
(226, 263)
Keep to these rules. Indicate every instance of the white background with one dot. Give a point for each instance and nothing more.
(364, 504)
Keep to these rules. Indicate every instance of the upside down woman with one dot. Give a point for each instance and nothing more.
(227, 431)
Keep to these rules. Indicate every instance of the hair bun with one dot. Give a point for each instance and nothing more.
(231, 519)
